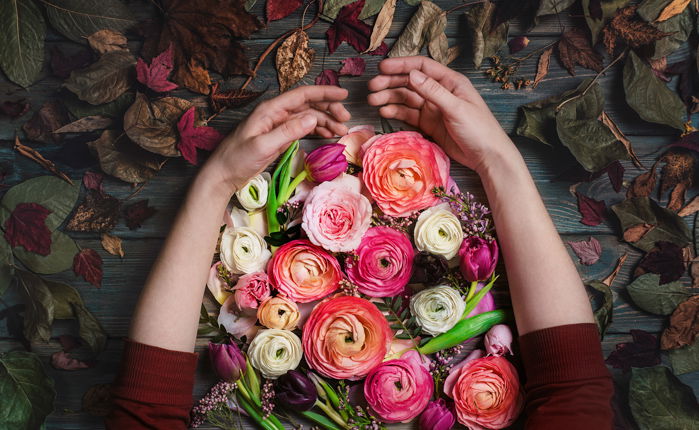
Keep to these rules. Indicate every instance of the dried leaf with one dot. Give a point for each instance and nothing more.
(62, 360)
(124, 159)
(609, 280)
(641, 210)
(486, 39)
(193, 76)
(603, 314)
(348, 28)
(575, 49)
(78, 19)
(675, 7)
(438, 47)
(659, 401)
(690, 208)
(353, 66)
(553, 7)
(88, 264)
(62, 64)
(112, 245)
(86, 124)
(373, 7)
(632, 30)
(676, 200)
(615, 173)
(636, 232)
(194, 137)
(93, 181)
(621, 137)
(542, 68)
(643, 184)
(679, 169)
(278, 9)
(155, 75)
(105, 80)
(153, 124)
(592, 210)
(36, 156)
(14, 109)
(679, 28)
(686, 70)
(97, 400)
(665, 259)
(26, 227)
(588, 251)
(294, 60)
(647, 293)
(413, 38)
(598, 12)
(327, 77)
(231, 99)
(49, 118)
(684, 360)
(382, 25)
(642, 351)
(684, 325)
(97, 213)
(136, 213)
(106, 40)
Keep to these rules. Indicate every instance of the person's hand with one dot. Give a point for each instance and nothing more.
(442, 103)
(270, 128)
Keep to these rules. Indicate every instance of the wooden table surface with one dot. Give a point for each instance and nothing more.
(123, 278)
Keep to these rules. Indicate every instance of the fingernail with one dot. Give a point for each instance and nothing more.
(308, 121)
(417, 77)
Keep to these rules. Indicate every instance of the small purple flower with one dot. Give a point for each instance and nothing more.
(227, 360)
(437, 416)
(478, 258)
(326, 163)
(296, 391)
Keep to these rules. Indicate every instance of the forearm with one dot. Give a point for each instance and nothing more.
(167, 312)
(545, 287)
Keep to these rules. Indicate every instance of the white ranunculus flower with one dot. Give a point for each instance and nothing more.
(274, 352)
(438, 231)
(243, 250)
(437, 309)
(254, 194)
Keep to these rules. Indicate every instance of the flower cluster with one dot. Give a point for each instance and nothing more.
(371, 282)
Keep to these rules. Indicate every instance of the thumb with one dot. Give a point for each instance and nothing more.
(431, 90)
(291, 130)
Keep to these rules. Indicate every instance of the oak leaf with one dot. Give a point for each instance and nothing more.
(684, 325)
(112, 244)
(155, 74)
(278, 9)
(327, 77)
(26, 227)
(592, 210)
(153, 124)
(588, 251)
(294, 59)
(88, 264)
(136, 213)
(193, 137)
(574, 48)
(353, 66)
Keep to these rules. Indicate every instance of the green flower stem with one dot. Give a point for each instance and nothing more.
(472, 290)
(292, 186)
(272, 197)
(321, 420)
(464, 330)
(252, 381)
(256, 415)
(331, 413)
(471, 303)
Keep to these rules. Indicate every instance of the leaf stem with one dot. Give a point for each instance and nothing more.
(404, 327)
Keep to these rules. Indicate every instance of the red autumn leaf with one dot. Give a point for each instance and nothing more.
(327, 77)
(666, 260)
(155, 75)
(588, 251)
(93, 181)
(278, 9)
(592, 210)
(380, 51)
(353, 66)
(26, 227)
(137, 213)
(88, 264)
(62, 360)
(193, 137)
(14, 109)
(643, 351)
(348, 28)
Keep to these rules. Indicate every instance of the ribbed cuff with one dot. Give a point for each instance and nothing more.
(562, 354)
(156, 375)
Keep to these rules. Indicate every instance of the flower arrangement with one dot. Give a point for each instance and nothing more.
(351, 299)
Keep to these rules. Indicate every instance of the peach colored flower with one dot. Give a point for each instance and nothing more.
(278, 312)
(345, 337)
(400, 171)
(353, 141)
(304, 272)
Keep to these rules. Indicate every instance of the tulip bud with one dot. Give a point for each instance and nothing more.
(478, 258)
(428, 269)
(326, 162)
(498, 340)
(227, 360)
(437, 416)
(296, 391)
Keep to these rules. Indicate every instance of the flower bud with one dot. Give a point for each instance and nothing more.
(326, 163)
(227, 360)
(478, 258)
(437, 416)
(296, 391)
(498, 340)
(428, 269)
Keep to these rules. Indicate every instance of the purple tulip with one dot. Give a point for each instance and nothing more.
(326, 163)
(478, 258)
(437, 416)
(296, 391)
(227, 360)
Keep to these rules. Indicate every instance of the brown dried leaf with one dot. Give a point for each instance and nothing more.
(636, 232)
(98, 400)
(231, 99)
(675, 7)
(49, 118)
(414, 35)
(607, 120)
(193, 76)
(97, 213)
(629, 27)
(684, 325)
(294, 59)
(542, 69)
(124, 159)
(609, 280)
(112, 245)
(105, 80)
(153, 124)
(676, 200)
(575, 48)
(86, 124)
(104, 41)
(691, 207)
(643, 184)
(382, 25)
(679, 168)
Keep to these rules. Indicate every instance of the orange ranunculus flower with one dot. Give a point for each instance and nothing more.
(279, 312)
(304, 272)
(345, 337)
(400, 171)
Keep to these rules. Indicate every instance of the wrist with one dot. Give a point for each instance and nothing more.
(503, 162)
(213, 185)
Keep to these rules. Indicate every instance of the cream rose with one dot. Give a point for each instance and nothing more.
(278, 312)
(274, 352)
(437, 309)
(438, 231)
(243, 250)
(254, 194)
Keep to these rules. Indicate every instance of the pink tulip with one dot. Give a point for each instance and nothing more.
(478, 258)
(498, 340)
(437, 416)
(227, 360)
(326, 163)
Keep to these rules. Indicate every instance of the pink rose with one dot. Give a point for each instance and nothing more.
(498, 340)
(353, 141)
(399, 390)
(304, 272)
(336, 215)
(400, 171)
(383, 263)
(251, 290)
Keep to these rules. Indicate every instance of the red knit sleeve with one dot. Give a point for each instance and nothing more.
(568, 385)
(153, 389)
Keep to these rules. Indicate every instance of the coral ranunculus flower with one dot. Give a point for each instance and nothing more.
(345, 337)
(304, 272)
(400, 171)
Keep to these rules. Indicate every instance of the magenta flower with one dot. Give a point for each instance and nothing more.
(437, 416)
(227, 360)
(326, 163)
(478, 258)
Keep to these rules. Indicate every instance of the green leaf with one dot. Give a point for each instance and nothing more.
(553, 7)
(371, 8)
(649, 96)
(603, 315)
(63, 250)
(105, 80)
(668, 225)
(647, 293)
(332, 7)
(113, 109)
(685, 359)
(91, 330)
(659, 401)
(22, 31)
(77, 19)
(26, 391)
(609, 8)
(649, 10)
(485, 40)
(591, 142)
(39, 307)
(680, 27)
(7, 268)
(538, 121)
(49, 191)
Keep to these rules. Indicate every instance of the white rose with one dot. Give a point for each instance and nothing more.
(274, 352)
(254, 194)
(243, 250)
(438, 231)
(437, 309)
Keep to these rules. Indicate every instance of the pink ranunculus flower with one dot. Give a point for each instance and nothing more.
(353, 141)
(251, 290)
(437, 416)
(400, 171)
(304, 272)
(336, 215)
(487, 393)
(399, 390)
(383, 263)
(345, 337)
(326, 162)
(498, 340)
(477, 258)
(486, 304)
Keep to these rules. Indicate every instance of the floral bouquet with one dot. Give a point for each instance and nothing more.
(355, 278)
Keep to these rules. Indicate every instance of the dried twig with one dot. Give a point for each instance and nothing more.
(35, 156)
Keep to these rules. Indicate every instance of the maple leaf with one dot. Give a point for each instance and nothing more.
(88, 264)
(592, 210)
(62, 360)
(26, 227)
(93, 181)
(204, 35)
(643, 351)
(136, 213)
(631, 29)
(278, 9)
(193, 137)
(348, 28)
(574, 48)
(327, 77)
(231, 99)
(588, 251)
(155, 75)
(665, 259)
(353, 66)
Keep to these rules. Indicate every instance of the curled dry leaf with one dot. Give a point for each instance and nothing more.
(294, 59)
(542, 68)
(439, 49)
(643, 184)
(636, 232)
(690, 208)
(675, 7)
(88, 264)
(97, 213)
(574, 48)
(607, 121)
(107, 40)
(86, 124)
(124, 159)
(49, 118)
(62, 360)
(684, 325)
(626, 25)
(112, 245)
(36, 156)
(382, 24)
(486, 38)
(676, 200)
(231, 99)
(153, 124)
(609, 280)
(105, 80)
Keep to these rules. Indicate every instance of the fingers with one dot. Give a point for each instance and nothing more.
(290, 130)
(381, 82)
(328, 122)
(305, 95)
(433, 69)
(396, 95)
(433, 91)
(401, 112)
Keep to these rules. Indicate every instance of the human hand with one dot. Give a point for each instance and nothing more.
(270, 128)
(442, 103)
